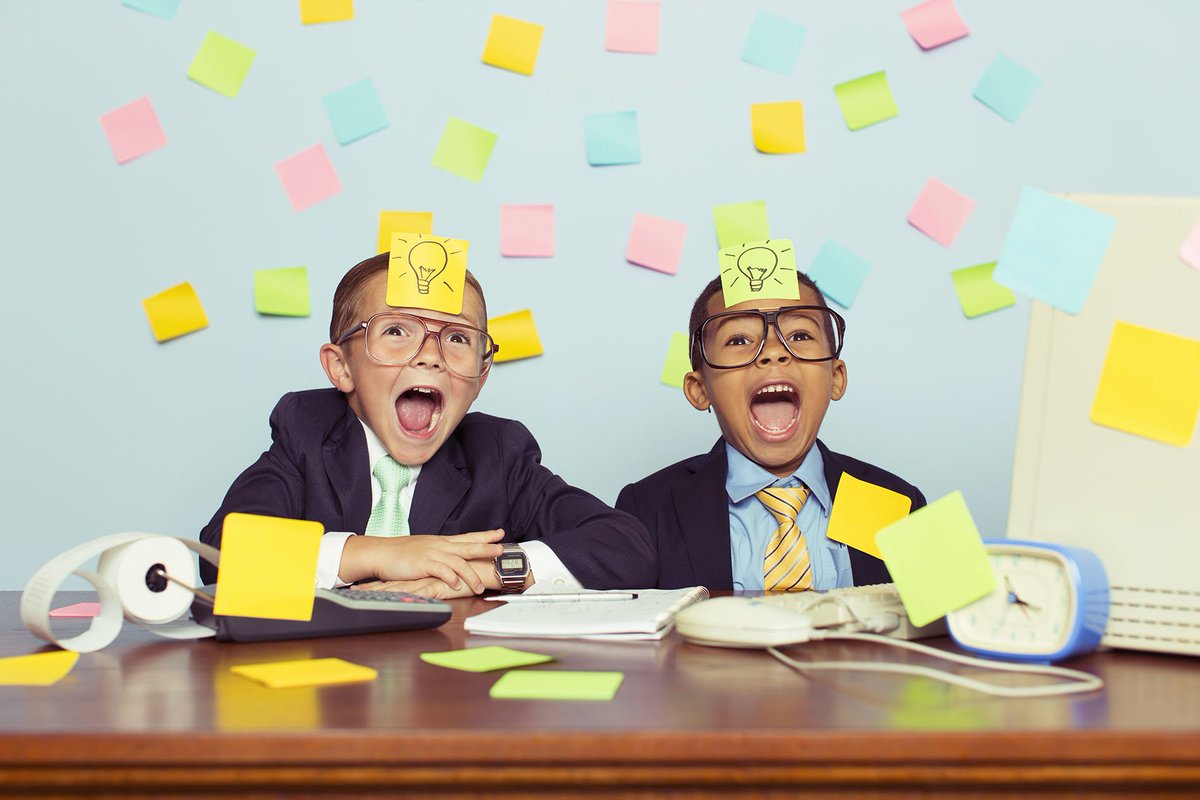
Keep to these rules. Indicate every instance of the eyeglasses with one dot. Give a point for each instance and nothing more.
(393, 338)
(735, 339)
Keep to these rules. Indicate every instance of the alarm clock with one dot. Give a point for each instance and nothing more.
(1050, 603)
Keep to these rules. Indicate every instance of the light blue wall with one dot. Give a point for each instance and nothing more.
(105, 430)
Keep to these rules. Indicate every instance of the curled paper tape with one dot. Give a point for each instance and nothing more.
(126, 583)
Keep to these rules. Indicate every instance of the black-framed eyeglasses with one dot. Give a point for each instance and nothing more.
(735, 339)
(395, 338)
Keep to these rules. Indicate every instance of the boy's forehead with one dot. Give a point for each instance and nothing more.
(374, 301)
(716, 303)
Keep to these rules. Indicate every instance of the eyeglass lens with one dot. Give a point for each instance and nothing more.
(397, 338)
(734, 340)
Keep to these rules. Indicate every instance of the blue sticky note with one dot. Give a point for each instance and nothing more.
(839, 272)
(1006, 87)
(355, 111)
(159, 8)
(1053, 249)
(773, 43)
(612, 138)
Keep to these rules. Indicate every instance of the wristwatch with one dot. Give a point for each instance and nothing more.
(512, 568)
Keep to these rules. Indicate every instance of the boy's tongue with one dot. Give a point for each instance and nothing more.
(415, 410)
(775, 413)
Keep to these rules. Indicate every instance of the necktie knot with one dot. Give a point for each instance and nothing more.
(392, 475)
(784, 503)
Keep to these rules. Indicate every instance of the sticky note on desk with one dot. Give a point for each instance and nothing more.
(516, 335)
(533, 684)
(937, 559)
(513, 44)
(861, 510)
(77, 610)
(484, 659)
(37, 669)
(221, 64)
(865, 101)
(306, 672)
(174, 312)
(268, 567)
(741, 222)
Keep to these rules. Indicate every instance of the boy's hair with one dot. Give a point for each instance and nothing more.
(347, 299)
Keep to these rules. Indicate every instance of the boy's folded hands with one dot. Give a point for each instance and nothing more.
(419, 563)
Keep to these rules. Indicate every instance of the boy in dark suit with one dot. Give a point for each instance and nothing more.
(392, 452)
(752, 513)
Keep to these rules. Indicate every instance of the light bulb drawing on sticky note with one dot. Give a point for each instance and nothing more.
(758, 270)
(427, 271)
(428, 260)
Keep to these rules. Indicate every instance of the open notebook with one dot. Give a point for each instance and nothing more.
(648, 615)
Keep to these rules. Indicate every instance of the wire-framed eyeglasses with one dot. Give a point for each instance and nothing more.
(734, 339)
(395, 338)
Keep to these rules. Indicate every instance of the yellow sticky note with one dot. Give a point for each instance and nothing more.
(315, 11)
(532, 684)
(759, 270)
(402, 222)
(427, 271)
(268, 567)
(861, 510)
(175, 312)
(678, 362)
(515, 335)
(513, 44)
(37, 669)
(1150, 385)
(778, 127)
(240, 705)
(307, 672)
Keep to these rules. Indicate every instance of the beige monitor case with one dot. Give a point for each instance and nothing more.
(1133, 501)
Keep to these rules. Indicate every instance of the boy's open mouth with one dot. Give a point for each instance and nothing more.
(774, 408)
(419, 409)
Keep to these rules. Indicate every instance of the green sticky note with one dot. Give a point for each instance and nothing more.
(464, 149)
(678, 363)
(866, 100)
(484, 659)
(221, 64)
(937, 559)
(37, 669)
(741, 222)
(759, 271)
(978, 293)
(535, 684)
(283, 291)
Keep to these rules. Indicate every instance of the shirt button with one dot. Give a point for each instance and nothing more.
(560, 582)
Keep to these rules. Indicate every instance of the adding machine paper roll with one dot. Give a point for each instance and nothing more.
(125, 561)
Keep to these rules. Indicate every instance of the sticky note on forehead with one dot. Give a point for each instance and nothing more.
(427, 271)
(861, 510)
(764, 270)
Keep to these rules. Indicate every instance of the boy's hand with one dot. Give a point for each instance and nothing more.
(426, 587)
(415, 558)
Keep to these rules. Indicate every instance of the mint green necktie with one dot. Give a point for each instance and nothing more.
(388, 517)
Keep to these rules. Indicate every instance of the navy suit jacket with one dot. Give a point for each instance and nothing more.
(487, 475)
(686, 508)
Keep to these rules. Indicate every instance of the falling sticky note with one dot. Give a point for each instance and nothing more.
(308, 177)
(402, 222)
(773, 43)
(268, 567)
(678, 362)
(535, 684)
(37, 669)
(221, 64)
(1053, 249)
(313, 12)
(1150, 384)
(159, 8)
(936, 559)
(758, 270)
(632, 26)
(527, 230)
(306, 672)
(839, 272)
(355, 111)
(741, 222)
(940, 212)
(1189, 251)
(978, 293)
(656, 243)
(513, 44)
(516, 335)
(464, 149)
(934, 23)
(427, 272)
(282, 291)
(866, 100)
(778, 127)
(133, 130)
(484, 659)
(1006, 87)
(79, 610)
(174, 312)
(861, 510)
(612, 138)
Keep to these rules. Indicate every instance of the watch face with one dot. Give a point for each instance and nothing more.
(512, 563)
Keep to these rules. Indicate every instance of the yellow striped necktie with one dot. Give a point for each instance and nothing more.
(388, 517)
(787, 567)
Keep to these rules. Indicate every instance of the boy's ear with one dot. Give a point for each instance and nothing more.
(695, 390)
(839, 380)
(333, 361)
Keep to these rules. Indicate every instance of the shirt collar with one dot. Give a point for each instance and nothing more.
(744, 477)
(376, 451)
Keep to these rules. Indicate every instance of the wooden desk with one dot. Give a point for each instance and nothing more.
(151, 717)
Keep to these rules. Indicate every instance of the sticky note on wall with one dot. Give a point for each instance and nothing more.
(402, 222)
(978, 293)
(839, 272)
(513, 44)
(464, 149)
(133, 130)
(221, 64)
(773, 43)
(778, 127)
(741, 222)
(174, 312)
(355, 111)
(516, 335)
(308, 177)
(934, 23)
(282, 291)
(656, 243)
(865, 101)
(612, 139)
(940, 212)
(313, 12)
(427, 272)
(677, 363)
(268, 567)
(527, 231)
(631, 26)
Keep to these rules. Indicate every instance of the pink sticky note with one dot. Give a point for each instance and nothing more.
(1189, 251)
(656, 243)
(77, 610)
(632, 26)
(133, 130)
(934, 23)
(308, 177)
(527, 231)
(940, 212)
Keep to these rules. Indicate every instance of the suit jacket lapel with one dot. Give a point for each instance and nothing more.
(702, 507)
(345, 455)
(440, 487)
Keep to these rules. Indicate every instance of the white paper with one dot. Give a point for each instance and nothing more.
(646, 616)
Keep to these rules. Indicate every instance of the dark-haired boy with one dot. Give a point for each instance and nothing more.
(392, 452)
(753, 512)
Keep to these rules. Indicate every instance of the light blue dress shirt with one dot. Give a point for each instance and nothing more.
(751, 524)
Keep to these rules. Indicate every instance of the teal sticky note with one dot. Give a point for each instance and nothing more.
(773, 43)
(1053, 249)
(282, 292)
(741, 222)
(612, 138)
(839, 272)
(221, 64)
(1006, 87)
(355, 111)
(159, 8)
(536, 684)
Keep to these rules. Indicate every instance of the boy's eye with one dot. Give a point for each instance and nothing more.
(739, 340)
(800, 336)
(395, 330)
(456, 336)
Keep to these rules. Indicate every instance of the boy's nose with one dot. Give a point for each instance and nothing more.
(430, 353)
(773, 349)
